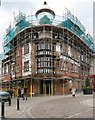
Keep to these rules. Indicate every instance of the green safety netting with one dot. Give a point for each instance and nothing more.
(45, 20)
(23, 23)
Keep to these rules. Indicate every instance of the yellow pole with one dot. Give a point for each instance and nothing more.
(52, 87)
(17, 91)
(45, 90)
(49, 89)
(31, 91)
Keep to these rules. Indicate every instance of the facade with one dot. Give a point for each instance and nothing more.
(92, 72)
(46, 53)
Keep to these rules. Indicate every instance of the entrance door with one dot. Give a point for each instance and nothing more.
(45, 87)
(41, 87)
(48, 87)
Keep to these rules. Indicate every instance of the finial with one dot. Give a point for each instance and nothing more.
(45, 3)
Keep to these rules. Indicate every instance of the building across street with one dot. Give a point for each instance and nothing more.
(47, 54)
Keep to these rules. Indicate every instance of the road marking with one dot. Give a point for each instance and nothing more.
(79, 113)
(29, 112)
(88, 102)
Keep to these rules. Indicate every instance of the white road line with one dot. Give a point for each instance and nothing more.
(29, 112)
(88, 102)
(79, 113)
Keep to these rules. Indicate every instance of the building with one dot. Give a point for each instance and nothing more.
(92, 72)
(46, 53)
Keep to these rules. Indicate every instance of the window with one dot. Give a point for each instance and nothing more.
(35, 35)
(61, 64)
(5, 68)
(69, 50)
(26, 49)
(65, 66)
(13, 70)
(73, 67)
(27, 35)
(45, 62)
(26, 66)
(45, 70)
(17, 68)
(58, 48)
(17, 53)
(45, 45)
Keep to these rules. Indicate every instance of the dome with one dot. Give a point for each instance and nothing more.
(45, 15)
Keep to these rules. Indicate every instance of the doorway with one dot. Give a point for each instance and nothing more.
(41, 86)
(45, 87)
(48, 87)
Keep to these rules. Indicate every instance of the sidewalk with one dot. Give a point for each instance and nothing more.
(12, 112)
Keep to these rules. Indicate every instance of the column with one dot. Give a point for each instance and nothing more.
(52, 87)
(49, 89)
(17, 91)
(31, 88)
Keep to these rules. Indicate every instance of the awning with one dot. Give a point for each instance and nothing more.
(4, 81)
(68, 78)
(92, 76)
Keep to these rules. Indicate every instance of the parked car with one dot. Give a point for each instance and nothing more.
(4, 96)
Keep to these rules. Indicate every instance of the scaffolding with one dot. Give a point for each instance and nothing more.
(1, 58)
(68, 21)
(66, 32)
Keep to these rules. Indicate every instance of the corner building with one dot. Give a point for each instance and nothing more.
(46, 53)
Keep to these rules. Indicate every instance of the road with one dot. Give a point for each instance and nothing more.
(52, 107)
(64, 107)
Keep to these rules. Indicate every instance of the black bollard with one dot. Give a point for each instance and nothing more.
(17, 103)
(9, 101)
(2, 109)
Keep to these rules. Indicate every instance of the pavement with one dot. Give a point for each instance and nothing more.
(51, 106)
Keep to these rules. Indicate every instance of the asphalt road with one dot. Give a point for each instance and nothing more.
(52, 107)
(64, 107)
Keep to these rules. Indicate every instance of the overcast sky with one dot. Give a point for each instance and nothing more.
(83, 9)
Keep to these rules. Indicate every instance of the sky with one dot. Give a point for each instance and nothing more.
(83, 9)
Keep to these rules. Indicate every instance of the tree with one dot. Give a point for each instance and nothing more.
(87, 82)
(87, 89)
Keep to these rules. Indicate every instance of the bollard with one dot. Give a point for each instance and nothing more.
(2, 109)
(9, 101)
(17, 103)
